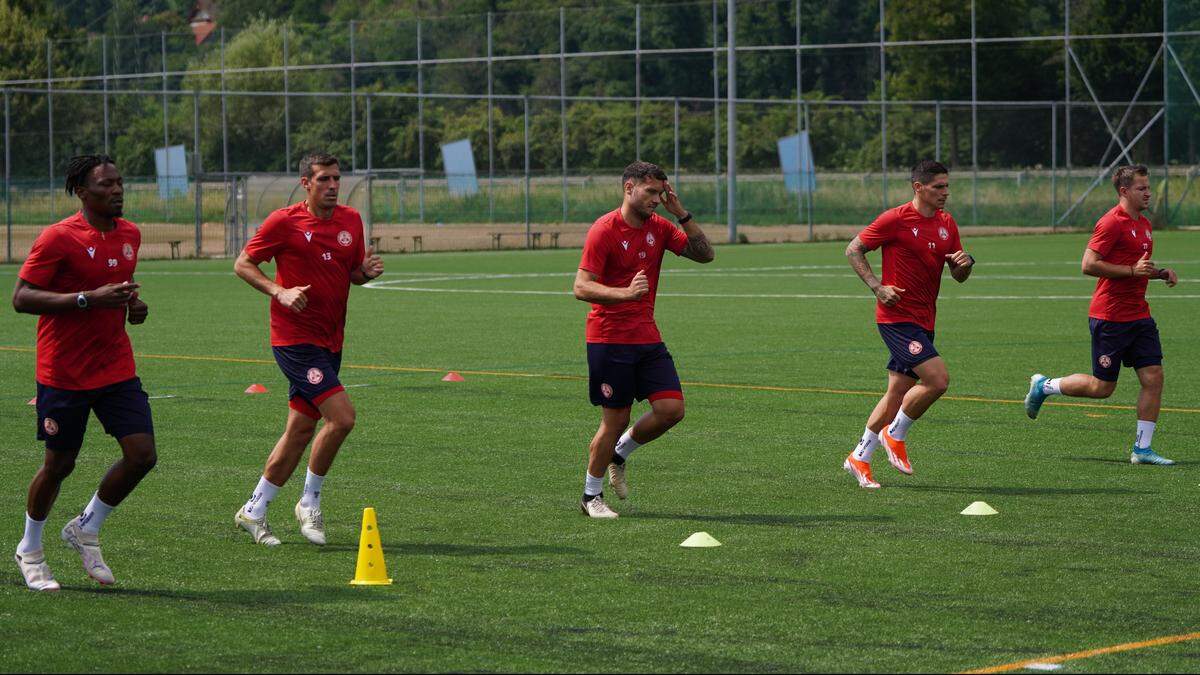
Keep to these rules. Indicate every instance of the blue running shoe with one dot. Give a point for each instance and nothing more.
(1035, 397)
(1148, 456)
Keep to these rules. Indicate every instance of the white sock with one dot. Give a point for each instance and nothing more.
(899, 428)
(627, 445)
(1052, 387)
(1145, 434)
(94, 514)
(311, 499)
(32, 541)
(259, 501)
(865, 449)
(592, 485)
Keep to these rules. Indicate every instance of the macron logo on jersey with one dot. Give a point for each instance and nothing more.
(308, 236)
(915, 232)
(91, 251)
(625, 245)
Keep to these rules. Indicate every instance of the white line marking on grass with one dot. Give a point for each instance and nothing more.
(154, 398)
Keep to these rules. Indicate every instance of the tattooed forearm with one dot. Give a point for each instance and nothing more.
(698, 249)
(856, 254)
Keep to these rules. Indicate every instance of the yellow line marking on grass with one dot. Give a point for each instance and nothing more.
(558, 376)
(1128, 646)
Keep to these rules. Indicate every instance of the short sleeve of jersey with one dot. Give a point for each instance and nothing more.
(269, 239)
(43, 261)
(881, 231)
(1105, 237)
(676, 238)
(595, 251)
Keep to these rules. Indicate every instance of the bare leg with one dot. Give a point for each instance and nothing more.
(339, 416)
(604, 443)
(885, 411)
(289, 448)
(1150, 396)
(663, 414)
(43, 490)
(934, 381)
(1088, 386)
(138, 458)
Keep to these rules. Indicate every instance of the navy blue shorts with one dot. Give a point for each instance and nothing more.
(910, 345)
(312, 374)
(618, 374)
(123, 408)
(1132, 343)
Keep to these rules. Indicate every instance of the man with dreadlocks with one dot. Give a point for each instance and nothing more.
(79, 279)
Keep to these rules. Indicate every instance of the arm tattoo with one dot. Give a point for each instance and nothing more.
(698, 249)
(858, 262)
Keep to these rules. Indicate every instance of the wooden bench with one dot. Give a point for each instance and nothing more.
(496, 239)
(175, 248)
(535, 239)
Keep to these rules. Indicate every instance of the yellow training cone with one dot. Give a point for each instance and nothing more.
(700, 540)
(371, 570)
(979, 509)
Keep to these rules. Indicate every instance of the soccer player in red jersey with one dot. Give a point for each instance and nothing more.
(919, 239)
(627, 359)
(318, 249)
(79, 279)
(1122, 330)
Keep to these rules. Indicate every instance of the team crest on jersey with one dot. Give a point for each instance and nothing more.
(50, 426)
(1148, 235)
(127, 251)
(1105, 360)
(344, 238)
(315, 376)
(915, 348)
(649, 239)
(943, 233)
(642, 254)
(606, 389)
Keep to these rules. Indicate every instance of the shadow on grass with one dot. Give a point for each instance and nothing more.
(1022, 491)
(463, 549)
(249, 597)
(1110, 460)
(770, 520)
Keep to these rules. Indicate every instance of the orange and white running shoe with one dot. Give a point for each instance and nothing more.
(861, 472)
(897, 454)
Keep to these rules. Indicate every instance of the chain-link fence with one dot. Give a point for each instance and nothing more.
(1030, 105)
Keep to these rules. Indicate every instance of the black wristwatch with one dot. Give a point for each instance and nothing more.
(972, 259)
(686, 218)
(81, 301)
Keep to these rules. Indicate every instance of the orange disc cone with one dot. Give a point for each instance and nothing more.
(371, 570)
(256, 389)
(453, 377)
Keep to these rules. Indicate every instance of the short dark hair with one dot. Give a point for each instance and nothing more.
(318, 159)
(926, 169)
(1123, 176)
(79, 168)
(640, 171)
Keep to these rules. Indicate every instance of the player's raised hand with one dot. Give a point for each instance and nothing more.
(138, 310)
(670, 201)
(111, 296)
(888, 295)
(958, 259)
(639, 286)
(1144, 266)
(293, 298)
(372, 264)
(1168, 275)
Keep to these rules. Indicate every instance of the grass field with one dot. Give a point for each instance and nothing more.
(477, 483)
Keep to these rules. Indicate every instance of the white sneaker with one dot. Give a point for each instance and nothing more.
(259, 529)
(88, 547)
(36, 571)
(596, 508)
(312, 524)
(616, 480)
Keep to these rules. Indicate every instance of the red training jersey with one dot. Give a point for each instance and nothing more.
(615, 252)
(1121, 240)
(914, 253)
(87, 348)
(309, 251)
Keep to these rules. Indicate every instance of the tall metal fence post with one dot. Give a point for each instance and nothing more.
(287, 105)
(528, 231)
(353, 105)
(731, 117)
(716, 118)
(491, 129)
(370, 210)
(883, 111)
(162, 36)
(8, 176)
(1165, 199)
(420, 128)
(104, 84)
(811, 192)
(196, 183)
(562, 100)
(799, 123)
(224, 114)
(974, 123)
(1053, 165)
(50, 125)
(937, 131)
(1067, 93)
(637, 80)
(676, 143)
